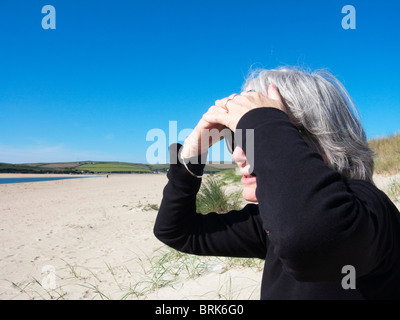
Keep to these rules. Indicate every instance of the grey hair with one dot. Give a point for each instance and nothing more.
(321, 108)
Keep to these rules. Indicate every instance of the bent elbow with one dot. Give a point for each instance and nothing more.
(175, 240)
(156, 232)
(161, 234)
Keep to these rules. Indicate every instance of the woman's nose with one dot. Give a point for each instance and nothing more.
(238, 156)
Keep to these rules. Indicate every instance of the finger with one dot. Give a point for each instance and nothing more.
(233, 96)
(217, 115)
(273, 93)
(219, 102)
(212, 108)
(223, 103)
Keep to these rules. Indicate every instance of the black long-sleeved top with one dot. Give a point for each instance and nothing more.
(309, 222)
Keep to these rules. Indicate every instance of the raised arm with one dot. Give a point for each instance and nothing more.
(235, 234)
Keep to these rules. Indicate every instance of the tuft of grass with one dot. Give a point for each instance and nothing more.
(394, 191)
(387, 151)
(148, 206)
(238, 263)
(213, 198)
(151, 206)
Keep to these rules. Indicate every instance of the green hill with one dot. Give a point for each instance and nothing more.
(96, 167)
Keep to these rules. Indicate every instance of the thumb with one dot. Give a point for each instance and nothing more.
(273, 93)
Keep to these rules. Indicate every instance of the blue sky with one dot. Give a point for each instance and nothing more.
(112, 71)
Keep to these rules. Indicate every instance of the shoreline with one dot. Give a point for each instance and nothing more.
(34, 175)
(37, 175)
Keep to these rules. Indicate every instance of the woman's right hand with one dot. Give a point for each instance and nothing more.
(201, 138)
(226, 116)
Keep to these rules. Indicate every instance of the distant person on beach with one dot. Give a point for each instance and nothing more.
(323, 228)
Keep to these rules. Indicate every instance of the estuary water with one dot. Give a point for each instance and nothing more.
(38, 179)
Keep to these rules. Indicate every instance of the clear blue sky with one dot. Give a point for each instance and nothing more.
(113, 70)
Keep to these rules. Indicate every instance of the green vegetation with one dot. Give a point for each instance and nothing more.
(22, 168)
(96, 167)
(148, 206)
(213, 198)
(388, 154)
(394, 191)
(112, 167)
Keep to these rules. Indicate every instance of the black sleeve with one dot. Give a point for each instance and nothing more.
(235, 234)
(316, 223)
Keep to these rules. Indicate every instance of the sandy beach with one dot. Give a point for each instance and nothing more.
(92, 238)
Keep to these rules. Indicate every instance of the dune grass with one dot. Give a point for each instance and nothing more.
(213, 197)
(393, 191)
(137, 279)
(387, 151)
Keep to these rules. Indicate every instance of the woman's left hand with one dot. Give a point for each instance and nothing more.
(229, 113)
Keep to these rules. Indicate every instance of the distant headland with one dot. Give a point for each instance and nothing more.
(98, 167)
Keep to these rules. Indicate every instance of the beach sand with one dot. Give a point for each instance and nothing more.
(92, 238)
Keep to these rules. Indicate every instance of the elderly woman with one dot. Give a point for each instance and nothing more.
(316, 211)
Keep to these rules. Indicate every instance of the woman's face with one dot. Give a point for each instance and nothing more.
(249, 182)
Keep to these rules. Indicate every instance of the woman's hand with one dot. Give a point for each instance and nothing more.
(198, 142)
(227, 112)
(227, 115)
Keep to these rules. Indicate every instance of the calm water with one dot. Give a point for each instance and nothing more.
(36, 179)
